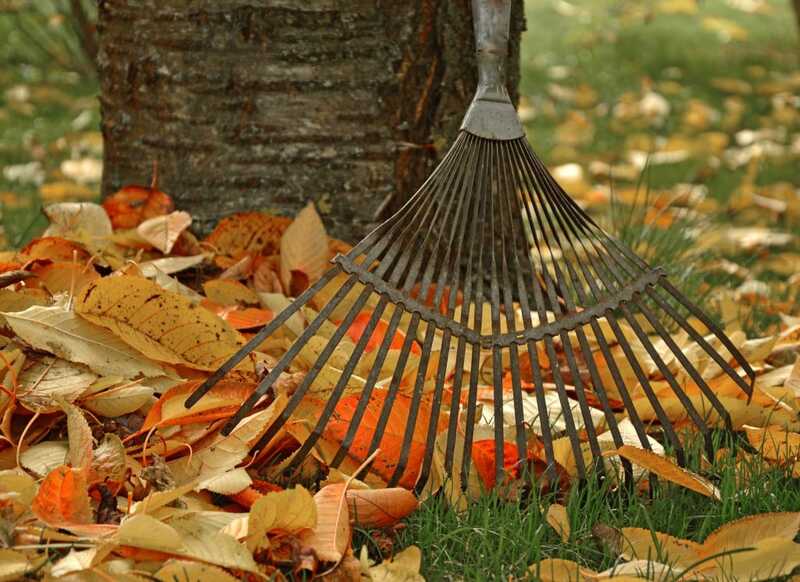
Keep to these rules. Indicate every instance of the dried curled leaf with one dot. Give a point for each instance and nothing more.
(668, 470)
(374, 508)
(304, 251)
(130, 206)
(248, 232)
(163, 326)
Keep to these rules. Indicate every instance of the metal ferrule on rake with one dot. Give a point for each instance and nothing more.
(491, 264)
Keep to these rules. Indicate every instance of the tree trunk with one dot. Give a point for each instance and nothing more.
(267, 104)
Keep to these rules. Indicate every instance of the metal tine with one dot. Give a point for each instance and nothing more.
(518, 244)
(533, 354)
(396, 272)
(304, 337)
(457, 225)
(414, 407)
(694, 374)
(369, 386)
(668, 376)
(341, 384)
(494, 294)
(443, 282)
(632, 257)
(714, 328)
(455, 401)
(580, 292)
(256, 340)
(644, 382)
(508, 231)
(568, 226)
(450, 159)
(484, 192)
(410, 279)
(529, 188)
(419, 202)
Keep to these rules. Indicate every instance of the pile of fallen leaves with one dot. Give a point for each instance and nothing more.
(118, 312)
(105, 474)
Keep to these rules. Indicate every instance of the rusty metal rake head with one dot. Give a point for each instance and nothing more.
(491, 280)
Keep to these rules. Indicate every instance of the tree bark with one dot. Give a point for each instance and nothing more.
(267, 104)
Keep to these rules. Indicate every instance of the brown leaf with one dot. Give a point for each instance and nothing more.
(248, 232)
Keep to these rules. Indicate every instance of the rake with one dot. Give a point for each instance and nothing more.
(491, 279)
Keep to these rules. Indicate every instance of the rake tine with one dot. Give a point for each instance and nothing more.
(472, 405)
(369, 386)
(311, 375)
(341, 384)
(281, 365)
(668, 376)
(694, 374)
(734, 351)
(256, 340)
(394, 385)
(666, 425)
(419, 386)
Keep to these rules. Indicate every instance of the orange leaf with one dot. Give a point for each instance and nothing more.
(55, 248)
(62, 499)
(359, 326)
(380, 507)
(63, 276)
(224, 398)
(483, 455)
(245, 232)
(393, 435)
(132, 205)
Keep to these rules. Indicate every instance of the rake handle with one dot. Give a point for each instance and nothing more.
(491, 21)
(491, 115)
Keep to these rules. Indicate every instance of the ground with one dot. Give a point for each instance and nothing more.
(694, 106)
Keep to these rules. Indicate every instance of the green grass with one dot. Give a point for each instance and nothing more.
(498, 540)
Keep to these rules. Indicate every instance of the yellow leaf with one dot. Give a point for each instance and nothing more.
(60, 331)
(559, 520)
(749, 530)
(80, 438)
(668, 470)
(290, 511)
(304, 251)
(230, 292)
(774, 443)
(45, 379)
(766, 559)
(163, 326)
(403, 567)
(147, 532)
(13, 565)
(644, 544)
(183, 571)
(330, 537)
(558, 570)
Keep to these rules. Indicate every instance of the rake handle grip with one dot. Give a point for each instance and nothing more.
(491, 115)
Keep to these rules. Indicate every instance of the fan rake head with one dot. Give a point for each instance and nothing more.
(491, 308)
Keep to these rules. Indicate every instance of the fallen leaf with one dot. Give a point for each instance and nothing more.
(248, 232)
(183, 571)
(330, 537)
(60, 331)
(378, 508)
(130, 206)
(77, 220)
(288, 511)
(163, 231)
(558, 519)
(303, 251)
(164, 326)
(63, 498)
(403, 567)
(668, 470)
